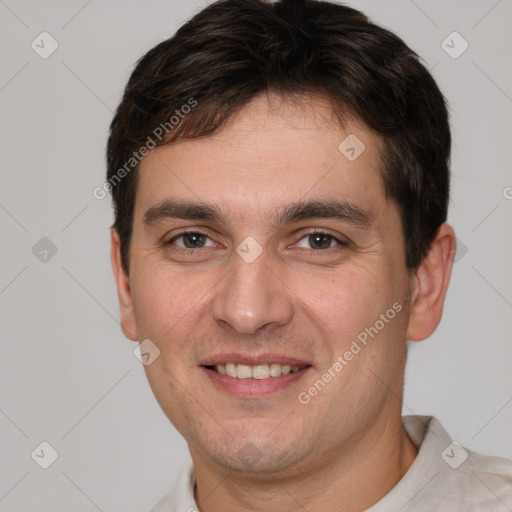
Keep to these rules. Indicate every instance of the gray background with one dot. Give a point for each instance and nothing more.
(67, 375)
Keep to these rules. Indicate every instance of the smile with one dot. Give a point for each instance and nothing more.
(260, 371)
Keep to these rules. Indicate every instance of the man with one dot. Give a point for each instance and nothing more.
(280, 180)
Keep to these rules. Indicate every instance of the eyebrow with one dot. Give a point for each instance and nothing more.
(294, 212)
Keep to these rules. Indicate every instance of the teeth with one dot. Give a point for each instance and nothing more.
(243, 371)
(230, 369)
(275, 370)
(260, 371)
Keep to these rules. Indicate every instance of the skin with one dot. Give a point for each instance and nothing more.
(346, 448)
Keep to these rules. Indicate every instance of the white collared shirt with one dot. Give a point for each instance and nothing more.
(444, 477)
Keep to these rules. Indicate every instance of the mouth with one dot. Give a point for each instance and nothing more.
(253, 376)
(259, 371)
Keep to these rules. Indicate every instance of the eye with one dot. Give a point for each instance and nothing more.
(191, 240)
(319, 241)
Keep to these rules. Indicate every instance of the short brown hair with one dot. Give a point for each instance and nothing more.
(233, 50)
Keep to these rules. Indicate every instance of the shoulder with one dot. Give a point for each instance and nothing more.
(447, 477)
(488, 480)
(480, 482)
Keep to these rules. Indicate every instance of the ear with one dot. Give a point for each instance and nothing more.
(124, 293)
(429, 285)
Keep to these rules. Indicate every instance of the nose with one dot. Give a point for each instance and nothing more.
(252, 296)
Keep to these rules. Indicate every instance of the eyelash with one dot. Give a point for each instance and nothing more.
(340, 243)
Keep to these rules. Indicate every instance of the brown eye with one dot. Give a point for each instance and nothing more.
(191, 240)
(319, 241)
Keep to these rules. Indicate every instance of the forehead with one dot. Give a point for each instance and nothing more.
(271, 152)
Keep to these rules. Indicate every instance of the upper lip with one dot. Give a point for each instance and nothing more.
(253, 359)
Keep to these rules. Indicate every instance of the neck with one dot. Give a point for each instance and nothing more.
(351, 481)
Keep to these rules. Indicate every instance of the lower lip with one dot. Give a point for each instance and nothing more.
(253, 387)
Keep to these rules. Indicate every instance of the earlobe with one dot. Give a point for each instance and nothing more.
(430, 284)
(124, 293)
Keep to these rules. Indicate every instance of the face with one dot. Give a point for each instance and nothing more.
(268, 268)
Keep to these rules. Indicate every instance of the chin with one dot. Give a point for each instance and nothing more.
(259, 458)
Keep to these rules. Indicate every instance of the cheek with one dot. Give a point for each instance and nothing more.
(163, 303)
(359, 311)
(345, 303)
